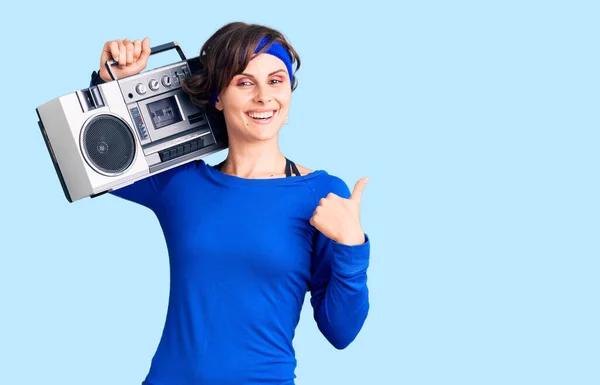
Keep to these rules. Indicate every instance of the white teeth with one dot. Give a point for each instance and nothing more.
(260, 115)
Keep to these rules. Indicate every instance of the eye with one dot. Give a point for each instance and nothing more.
(244, 83)
(276, 81)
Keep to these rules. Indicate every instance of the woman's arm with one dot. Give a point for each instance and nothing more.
(340, 258)
(339, 292)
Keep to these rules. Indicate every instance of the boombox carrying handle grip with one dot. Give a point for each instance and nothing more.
(153, 50)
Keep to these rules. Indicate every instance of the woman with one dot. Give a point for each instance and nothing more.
(247, 239)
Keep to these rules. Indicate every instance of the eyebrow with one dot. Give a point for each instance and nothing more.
(272, 73)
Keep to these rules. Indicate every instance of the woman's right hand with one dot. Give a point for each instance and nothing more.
(131, 56)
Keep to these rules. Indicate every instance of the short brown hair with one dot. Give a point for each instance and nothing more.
(227, 53)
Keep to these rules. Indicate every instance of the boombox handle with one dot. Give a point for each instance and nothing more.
(153, 50)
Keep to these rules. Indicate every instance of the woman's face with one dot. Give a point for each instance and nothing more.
(256, 103)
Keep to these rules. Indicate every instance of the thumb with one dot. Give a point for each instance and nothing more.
(359, 187)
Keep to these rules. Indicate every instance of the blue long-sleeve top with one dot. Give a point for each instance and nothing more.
(242, 257)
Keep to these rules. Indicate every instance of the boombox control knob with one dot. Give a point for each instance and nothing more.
(140, 89)
(153, 85)
(166, 81)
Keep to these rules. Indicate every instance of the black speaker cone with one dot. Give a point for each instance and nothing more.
(108, 144)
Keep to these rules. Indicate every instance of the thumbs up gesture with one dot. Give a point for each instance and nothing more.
(339, 218)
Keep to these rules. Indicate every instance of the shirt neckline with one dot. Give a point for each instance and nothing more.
(232, 179)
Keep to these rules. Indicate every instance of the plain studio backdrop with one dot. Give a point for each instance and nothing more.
(477, 123)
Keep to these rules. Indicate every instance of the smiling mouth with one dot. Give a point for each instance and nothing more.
(262, 116)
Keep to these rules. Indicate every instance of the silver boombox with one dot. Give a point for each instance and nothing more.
(105, 137)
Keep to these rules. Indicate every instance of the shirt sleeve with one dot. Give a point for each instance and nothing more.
(147, 192)
(338, 287)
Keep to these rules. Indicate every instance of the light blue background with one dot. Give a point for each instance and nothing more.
(477, 123)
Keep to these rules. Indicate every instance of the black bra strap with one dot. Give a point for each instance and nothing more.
(289, 166)
(296, 171)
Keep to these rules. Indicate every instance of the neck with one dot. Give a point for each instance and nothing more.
(254, 160)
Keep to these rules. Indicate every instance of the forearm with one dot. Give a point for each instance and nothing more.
(342, 309)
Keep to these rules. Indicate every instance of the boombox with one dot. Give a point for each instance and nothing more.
(105, 137)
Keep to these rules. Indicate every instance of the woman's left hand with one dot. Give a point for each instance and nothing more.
(339, 218)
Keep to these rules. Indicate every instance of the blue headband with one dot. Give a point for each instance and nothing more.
(275, 49)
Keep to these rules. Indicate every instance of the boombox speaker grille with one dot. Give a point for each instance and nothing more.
(108, 144)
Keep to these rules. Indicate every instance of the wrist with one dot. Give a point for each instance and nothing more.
(352, 239)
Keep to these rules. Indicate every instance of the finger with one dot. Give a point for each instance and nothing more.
(130, 48)
(122, 54)
(359, 187)
(114, 50)
(106, 54)
(137, 49)
(145, 51)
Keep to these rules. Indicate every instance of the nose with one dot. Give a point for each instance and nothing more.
(262, 94)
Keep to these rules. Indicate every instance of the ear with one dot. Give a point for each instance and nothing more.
(219, 104)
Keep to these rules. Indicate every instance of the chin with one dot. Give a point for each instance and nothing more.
(263, 132)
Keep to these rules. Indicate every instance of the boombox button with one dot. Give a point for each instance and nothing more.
(164, 156)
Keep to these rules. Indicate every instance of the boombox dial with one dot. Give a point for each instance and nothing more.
(140, 89)
(166, 81)
(153, 85)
